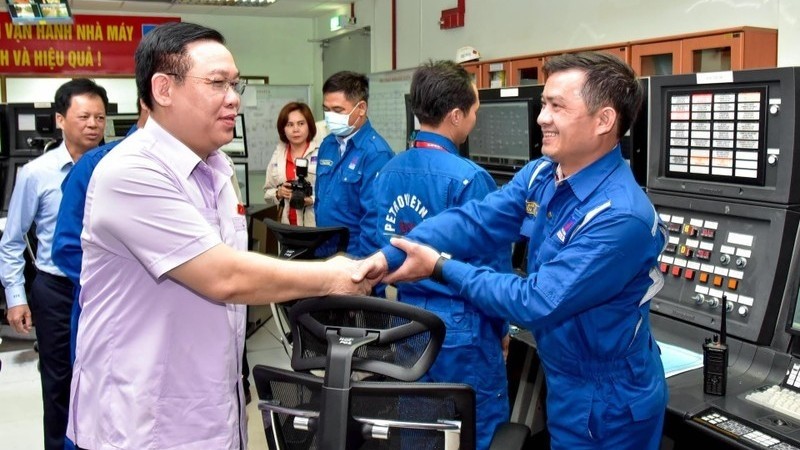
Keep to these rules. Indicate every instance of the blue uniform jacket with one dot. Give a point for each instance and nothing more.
(345, 185)
(592, 256)
(67, 252)
(410, 189)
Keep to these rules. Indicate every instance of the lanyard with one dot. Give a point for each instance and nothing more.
(431, 145)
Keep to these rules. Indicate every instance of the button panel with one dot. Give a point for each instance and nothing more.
(750, 435)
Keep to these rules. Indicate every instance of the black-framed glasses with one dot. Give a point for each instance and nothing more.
(218, 85)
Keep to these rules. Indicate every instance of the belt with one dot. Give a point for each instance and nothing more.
(57, 278)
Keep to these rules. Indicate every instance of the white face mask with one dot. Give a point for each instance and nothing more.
(338, 123)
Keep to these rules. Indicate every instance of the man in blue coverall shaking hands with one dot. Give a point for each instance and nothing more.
(416, 185)
(592, 255)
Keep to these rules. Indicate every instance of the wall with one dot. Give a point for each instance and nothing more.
(522, 27)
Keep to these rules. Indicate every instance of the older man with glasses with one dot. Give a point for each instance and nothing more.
(165, 276)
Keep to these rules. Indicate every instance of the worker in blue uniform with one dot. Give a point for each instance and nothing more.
(418, 184)
(592, 256)
(348, 160)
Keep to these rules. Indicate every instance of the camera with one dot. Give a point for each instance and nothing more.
(300, 187)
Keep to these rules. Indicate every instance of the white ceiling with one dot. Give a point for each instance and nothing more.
(281, 8)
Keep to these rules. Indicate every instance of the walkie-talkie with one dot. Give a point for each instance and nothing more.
(715, 358)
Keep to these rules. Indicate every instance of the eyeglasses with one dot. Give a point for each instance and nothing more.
(218, 85)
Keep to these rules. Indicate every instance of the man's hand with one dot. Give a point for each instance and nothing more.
(345, 282)
(419, 262)
(371, 269)
(20, 318)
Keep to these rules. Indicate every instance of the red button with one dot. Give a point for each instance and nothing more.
(676, 271)
(689, 274)
(664, 267)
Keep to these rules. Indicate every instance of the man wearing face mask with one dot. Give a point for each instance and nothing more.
(349, 158)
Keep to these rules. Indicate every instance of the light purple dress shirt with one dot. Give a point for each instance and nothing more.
(158, 366)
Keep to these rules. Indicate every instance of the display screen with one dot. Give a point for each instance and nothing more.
(502, 133)
(716, 134)
(35, 12)
(237, 147)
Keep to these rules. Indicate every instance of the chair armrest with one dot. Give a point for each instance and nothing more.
(510, 436)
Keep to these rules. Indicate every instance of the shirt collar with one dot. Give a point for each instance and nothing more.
(63, 158)
(360, 134)
(437, 139)
(173, 152)
(586, 180)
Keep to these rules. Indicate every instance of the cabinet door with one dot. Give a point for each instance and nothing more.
(526, 71)
(712, 53)
(657, 58)
(475, 71)
(493, 74)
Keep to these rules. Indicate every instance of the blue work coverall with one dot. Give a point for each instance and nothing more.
(411, 188)
(592, 270)
(344, 187)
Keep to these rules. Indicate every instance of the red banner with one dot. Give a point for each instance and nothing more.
(93, 45)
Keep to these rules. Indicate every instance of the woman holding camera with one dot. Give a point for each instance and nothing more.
(292, 193)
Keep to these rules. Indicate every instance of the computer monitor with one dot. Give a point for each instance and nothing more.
(727, 134)
(10, 168)
(118, 125)
(237, 148)
(506, 135)
(31, 126)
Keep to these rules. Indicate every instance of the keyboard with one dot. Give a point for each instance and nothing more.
(778, 398)
(783, 398)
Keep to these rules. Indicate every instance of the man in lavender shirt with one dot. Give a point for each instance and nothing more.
(164, 276)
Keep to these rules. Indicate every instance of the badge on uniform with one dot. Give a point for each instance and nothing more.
(532, 208)
(240, 209)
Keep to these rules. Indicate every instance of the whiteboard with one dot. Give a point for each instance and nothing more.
(387, 105)
(261, 104)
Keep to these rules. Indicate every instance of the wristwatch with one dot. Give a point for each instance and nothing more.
(438, 268)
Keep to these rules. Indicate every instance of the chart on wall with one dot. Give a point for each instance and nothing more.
(387, 105)
(261, 105)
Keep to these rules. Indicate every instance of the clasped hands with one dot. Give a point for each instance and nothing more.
(366, 273)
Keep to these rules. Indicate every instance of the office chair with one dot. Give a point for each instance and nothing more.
(295, 242)
(396, 342)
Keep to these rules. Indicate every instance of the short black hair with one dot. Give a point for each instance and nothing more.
(78, 86)
(164, 50)
(438, 87)
(609, 82)
(355, 86)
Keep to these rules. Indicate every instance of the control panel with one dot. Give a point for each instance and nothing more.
(744, 432)
(717, 247)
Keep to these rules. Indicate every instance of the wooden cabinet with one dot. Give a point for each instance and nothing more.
(494, 74)
(525, 71)
(474, 69)
(711, 51)
(734, 49)
(657, 58)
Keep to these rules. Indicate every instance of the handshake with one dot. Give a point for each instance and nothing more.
(360, 276)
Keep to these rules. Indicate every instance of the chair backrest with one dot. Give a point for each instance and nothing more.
(295, 242)
(343, 334)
